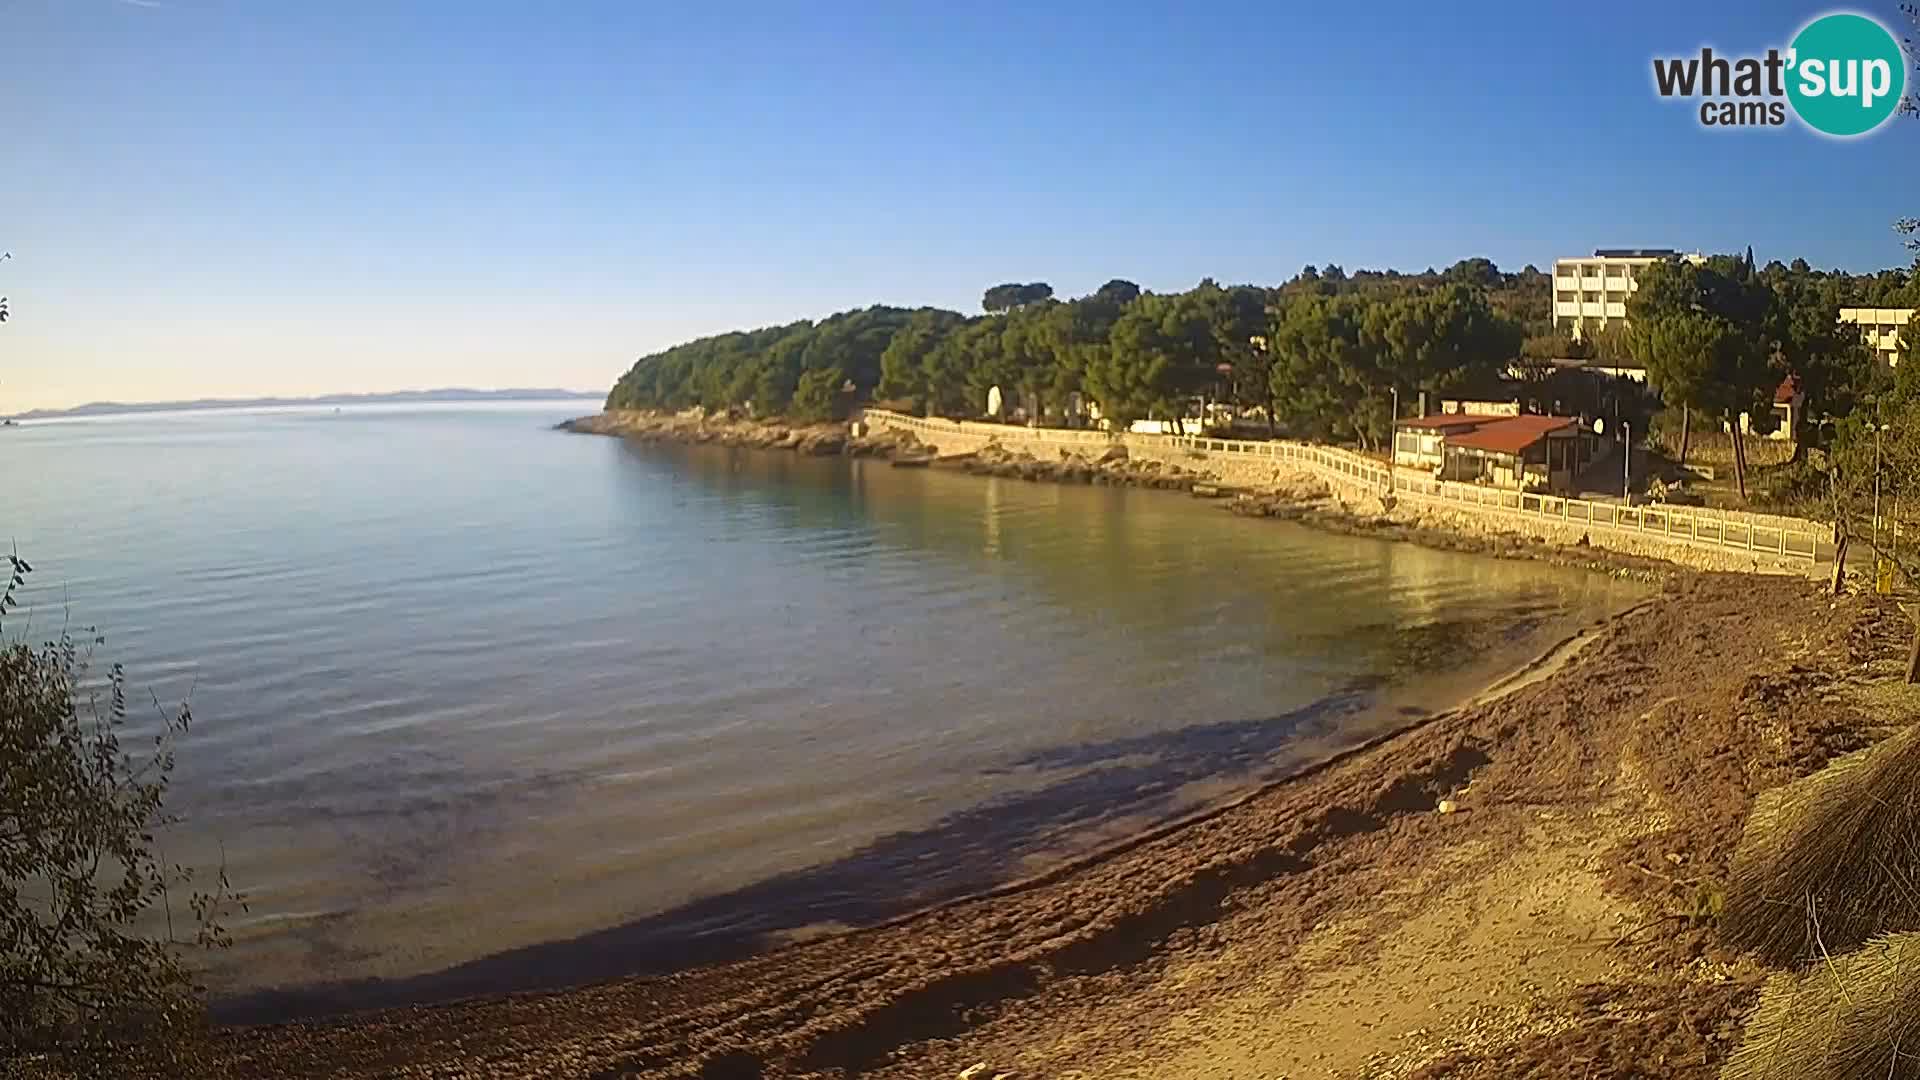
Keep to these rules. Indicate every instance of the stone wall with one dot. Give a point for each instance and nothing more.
(949, 437)
(1240, 470)
(1416, 510)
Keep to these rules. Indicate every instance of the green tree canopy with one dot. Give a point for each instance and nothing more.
(1159, 352)
(903, 365)
(1717, 339)
(1325, 367)
(1709, 336)
(1012, 295)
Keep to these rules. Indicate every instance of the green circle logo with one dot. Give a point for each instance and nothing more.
(1846, 74)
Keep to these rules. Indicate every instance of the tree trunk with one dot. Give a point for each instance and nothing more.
(1840, 566)
(1739, 459)
(1686, 432)
(1913, 656)
(1746, 470)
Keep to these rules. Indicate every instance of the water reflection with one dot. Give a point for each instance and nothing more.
(467, 687)
(1210, 615)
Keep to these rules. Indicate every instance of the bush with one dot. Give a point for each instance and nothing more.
(1801, 486)
(83, 990)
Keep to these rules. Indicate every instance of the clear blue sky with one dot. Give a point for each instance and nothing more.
(243, 197)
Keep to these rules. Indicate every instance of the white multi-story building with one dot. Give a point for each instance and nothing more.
(1881, 327)
(1591, 292)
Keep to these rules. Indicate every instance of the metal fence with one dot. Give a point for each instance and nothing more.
(1788, 538)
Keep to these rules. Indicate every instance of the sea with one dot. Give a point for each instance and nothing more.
(481, 706)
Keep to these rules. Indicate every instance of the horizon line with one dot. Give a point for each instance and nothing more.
(333, 398)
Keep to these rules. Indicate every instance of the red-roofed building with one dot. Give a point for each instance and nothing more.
(1524, 453)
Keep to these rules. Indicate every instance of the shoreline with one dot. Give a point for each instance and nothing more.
(1433, 684)
(1579, 779)
(1302, 500)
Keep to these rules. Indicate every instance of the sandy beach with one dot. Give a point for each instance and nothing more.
(1557, 921)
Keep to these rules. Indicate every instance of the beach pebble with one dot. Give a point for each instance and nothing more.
(1448, 806)
(974, 1070)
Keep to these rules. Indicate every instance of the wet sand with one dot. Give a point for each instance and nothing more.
(1335, 924)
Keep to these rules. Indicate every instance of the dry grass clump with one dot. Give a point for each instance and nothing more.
(1833, 860)
(1855, 1017)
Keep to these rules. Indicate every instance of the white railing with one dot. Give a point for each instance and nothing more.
(1783, 537)
(1761, 534)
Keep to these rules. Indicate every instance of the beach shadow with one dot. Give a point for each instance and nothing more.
(1126, 781)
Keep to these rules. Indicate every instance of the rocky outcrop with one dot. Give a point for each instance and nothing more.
(695, 427)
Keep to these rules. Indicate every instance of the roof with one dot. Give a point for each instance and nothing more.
(1621, 363)
(1788, 389)
(1512, 434)
(1449, 420)
(1633, 253)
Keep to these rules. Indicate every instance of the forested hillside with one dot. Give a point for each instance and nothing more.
(1320, 354)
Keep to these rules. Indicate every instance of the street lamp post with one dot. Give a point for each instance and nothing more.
(1393, 442)
(1877, 428)
(1626, 463)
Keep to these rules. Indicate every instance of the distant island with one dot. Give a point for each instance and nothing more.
(115, 408)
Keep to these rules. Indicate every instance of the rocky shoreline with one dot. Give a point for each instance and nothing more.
(1111, 467)
(1300, 499)
(694, 429)
(1328, 513)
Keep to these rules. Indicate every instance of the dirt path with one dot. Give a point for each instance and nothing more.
(1336, 925)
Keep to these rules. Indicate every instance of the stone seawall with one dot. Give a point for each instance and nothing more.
(1261, 474)
(1228, 470)
(1486, 521)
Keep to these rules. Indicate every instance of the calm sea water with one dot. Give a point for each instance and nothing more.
(481, 705)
